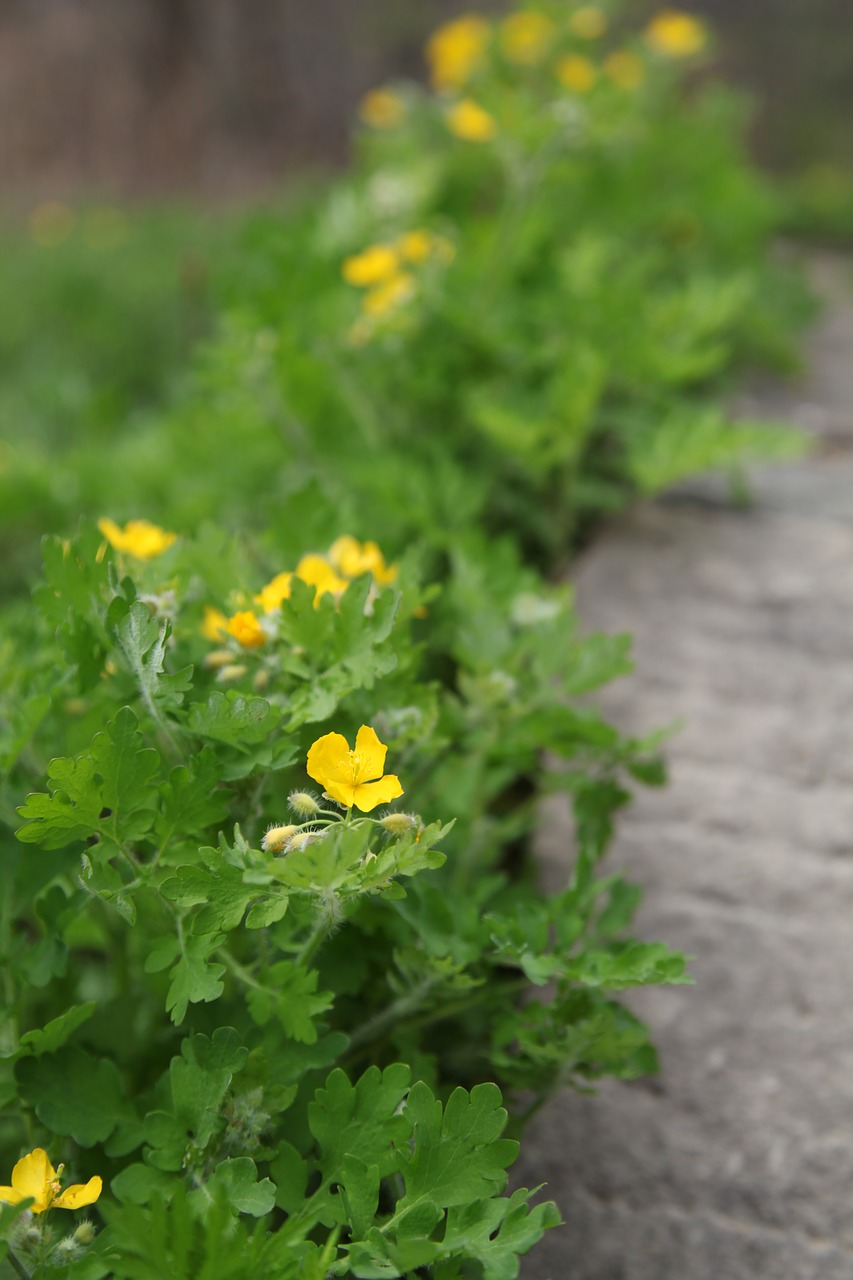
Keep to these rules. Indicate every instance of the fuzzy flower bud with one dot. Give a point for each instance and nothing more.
(304, 839)
(277, 837)
(302, 803)
(234, 671)
(399, 824)
(218, 658)
(85, 1233)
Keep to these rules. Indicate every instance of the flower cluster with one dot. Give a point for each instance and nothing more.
(387, 273)
(351, 778)
(329, 574)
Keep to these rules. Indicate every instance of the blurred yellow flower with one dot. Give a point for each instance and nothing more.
(214, 624)
(138, 538)
(455, 51)
(589, 23)
(388, 296)
(353, 777)
(51, 223)
(271, 596)
(525, 36)
(382, 109)
(415, 246)
(676, 34)
(353, 558)
(318, 573)
(625, 69)
(373, 265)
(246, 630)
(469, 121)
(576, 73)
(35, 1176)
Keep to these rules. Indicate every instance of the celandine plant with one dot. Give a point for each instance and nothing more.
(269, 994)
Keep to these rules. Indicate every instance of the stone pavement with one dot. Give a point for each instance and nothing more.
(736, 1163)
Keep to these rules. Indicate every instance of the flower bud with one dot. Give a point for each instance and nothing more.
(261, 680)
(277, 837)
(218, 658)
(304, 839)
(302, 803)
(234, 671)
(399, 824)
(85, 1233)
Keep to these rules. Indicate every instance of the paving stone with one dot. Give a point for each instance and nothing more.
(736, 1163)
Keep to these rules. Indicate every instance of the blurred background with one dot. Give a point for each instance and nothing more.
(221, 98)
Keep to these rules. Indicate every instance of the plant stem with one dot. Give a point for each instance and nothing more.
(16, 1264)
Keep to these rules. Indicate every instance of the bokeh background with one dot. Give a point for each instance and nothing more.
(221, 98)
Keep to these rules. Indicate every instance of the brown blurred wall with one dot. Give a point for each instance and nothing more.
(221, 98)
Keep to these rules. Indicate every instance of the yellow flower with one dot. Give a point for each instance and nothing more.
(382, 109)
(246, 630)
(589, 23)
(415, 246)
(469, 121)
(35, 1176)
(353, 558)
(388, 296)
(353, 777)
(214, 625)
(576, 73)
(525, 36)
(676, 34)
(374, 265)
(625, 69)
(455, 51)
(138, 538)
(271, 596)
(318, 573)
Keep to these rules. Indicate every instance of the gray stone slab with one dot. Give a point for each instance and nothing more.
(737, 1162)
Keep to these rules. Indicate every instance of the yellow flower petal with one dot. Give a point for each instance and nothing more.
(369, 755)
(369, 794)
(318, 573)
(525, 36)
(455, 51)
(34, 1175)
(329, 760)
(676, 34)
(8, 1195)
(576, 73)
(374, 265)
(78, 1195)
(588, 23)
(214, 624)
(343, 792)
(382, 109)
(625, 69)
(271, 596)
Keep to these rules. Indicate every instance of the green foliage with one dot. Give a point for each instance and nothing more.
(281, 1026)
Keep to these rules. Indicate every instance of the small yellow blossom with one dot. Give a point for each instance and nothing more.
(247, 630)
(138, 538)
(469, 121)
(271, 596)
(676, 34)
(576, 73)
(35, 1176)
(318, 573)
(588, 23)
(214, 624)
(353, 558)
(455, 51)
(415, 246)
(625, 69)
(373, 266)
(353, 777)
(382, 109)
(525, 36)
(386, 297)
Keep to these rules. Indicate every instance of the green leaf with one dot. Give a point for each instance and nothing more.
(109, 791)
(459, 1156)
(200, 1079)
(195, 978)
(290, 994)
(361, 1118)
(360, 1184)
(496, 1231)
(239, 1177)
(637, 964)
(192, 798)
(55, 1033)
(234, 719)
(142, 639)
(74, 1094)
(139, 1183)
